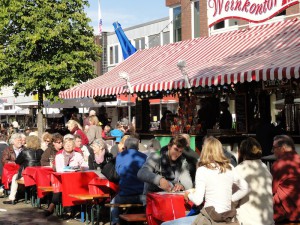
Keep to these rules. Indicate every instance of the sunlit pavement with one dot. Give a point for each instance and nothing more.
(25, 214)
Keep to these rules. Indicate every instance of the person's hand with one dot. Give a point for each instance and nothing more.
(165, 184)
(186, 198)
(178, 187)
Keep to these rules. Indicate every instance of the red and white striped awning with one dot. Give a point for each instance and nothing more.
(265, 52)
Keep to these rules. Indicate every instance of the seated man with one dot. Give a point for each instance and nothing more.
(128, 163)
(167, 171)
(286, 179)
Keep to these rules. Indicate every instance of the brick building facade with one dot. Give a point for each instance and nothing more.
(187, 19)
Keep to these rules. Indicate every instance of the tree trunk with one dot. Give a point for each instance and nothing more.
(40, 124)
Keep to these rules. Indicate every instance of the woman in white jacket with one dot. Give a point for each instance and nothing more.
(257, 207)
(215, 178)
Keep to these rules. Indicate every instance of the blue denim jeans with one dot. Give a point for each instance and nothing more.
(188, 220)
(134, 199)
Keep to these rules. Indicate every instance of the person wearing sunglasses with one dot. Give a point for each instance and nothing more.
(53, 147)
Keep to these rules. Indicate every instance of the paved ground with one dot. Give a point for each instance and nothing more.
(25, 214)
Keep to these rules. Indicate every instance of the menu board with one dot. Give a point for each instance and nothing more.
(241, 113)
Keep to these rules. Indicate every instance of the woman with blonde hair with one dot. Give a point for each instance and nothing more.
(95, 130)
(215, 178)
(75, 128)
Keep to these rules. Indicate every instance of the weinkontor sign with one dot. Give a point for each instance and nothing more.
(251, 10)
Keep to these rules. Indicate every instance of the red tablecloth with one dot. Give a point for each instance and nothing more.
(71, 183)
(9, 170)
(39, 176)
(163, 207)
(100, 185)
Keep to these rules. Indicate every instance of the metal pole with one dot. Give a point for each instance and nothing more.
(129, 108)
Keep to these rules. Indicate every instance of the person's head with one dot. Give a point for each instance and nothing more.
(3, 137)
(47, 138)
(167, 112)
(78, 141)
(93, 120)
(71, 124)
(98, 145)
(131, 143)
(92, 113)
(33, 142)
(106, 129)
(16, 140)
(69, 136)
(188, 139)
(154, 144)
(212, 155)
(119, 125)
(249, 149)
(122, 142)
(57, 141)
(176, 147)
(282, 144)
(23, 139)
(69, 145)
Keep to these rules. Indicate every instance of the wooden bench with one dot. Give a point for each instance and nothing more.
(288, 223)
(47, 189)
(140, 217)
(123, 205)
(90, 198)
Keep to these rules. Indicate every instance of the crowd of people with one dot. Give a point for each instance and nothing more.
(221, 187)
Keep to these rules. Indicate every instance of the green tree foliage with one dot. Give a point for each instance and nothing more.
(45, 46)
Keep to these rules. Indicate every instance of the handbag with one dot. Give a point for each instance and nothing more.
(109, 171)
(209, 216)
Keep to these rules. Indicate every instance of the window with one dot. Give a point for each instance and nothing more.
(233, 22)
(111, 55)
(154, 40)
(166, 38)
(139, 43)
(114, 54)
(283, 13)
(196, 12)
(219, 25)
(177, 24)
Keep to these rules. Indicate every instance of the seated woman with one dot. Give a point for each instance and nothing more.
(257, 207)
(30, 156)
(54, 146)
(99, 155)
(167, 171)
(215, 178)
(75, 128)
(64, 159)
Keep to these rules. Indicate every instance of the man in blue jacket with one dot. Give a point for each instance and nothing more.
(128, 164)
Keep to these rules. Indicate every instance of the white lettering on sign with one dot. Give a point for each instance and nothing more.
(251, 10)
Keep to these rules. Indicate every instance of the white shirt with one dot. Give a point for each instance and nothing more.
(216, 188)
(257, 207)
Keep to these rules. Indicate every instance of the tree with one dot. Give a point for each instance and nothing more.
(45, 46)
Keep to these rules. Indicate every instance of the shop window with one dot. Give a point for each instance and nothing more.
(154, 40)
(232, 23)
(177, 24)
(166, 38)
(196, 20)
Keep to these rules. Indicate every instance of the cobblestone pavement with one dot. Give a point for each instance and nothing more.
(25, 214)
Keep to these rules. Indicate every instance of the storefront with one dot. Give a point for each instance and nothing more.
(248, 68)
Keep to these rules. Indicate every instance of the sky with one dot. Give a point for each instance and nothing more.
(127, 12)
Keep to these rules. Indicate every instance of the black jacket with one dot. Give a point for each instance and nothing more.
(28, 157)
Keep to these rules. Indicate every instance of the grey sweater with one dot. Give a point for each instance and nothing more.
(151, 173)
